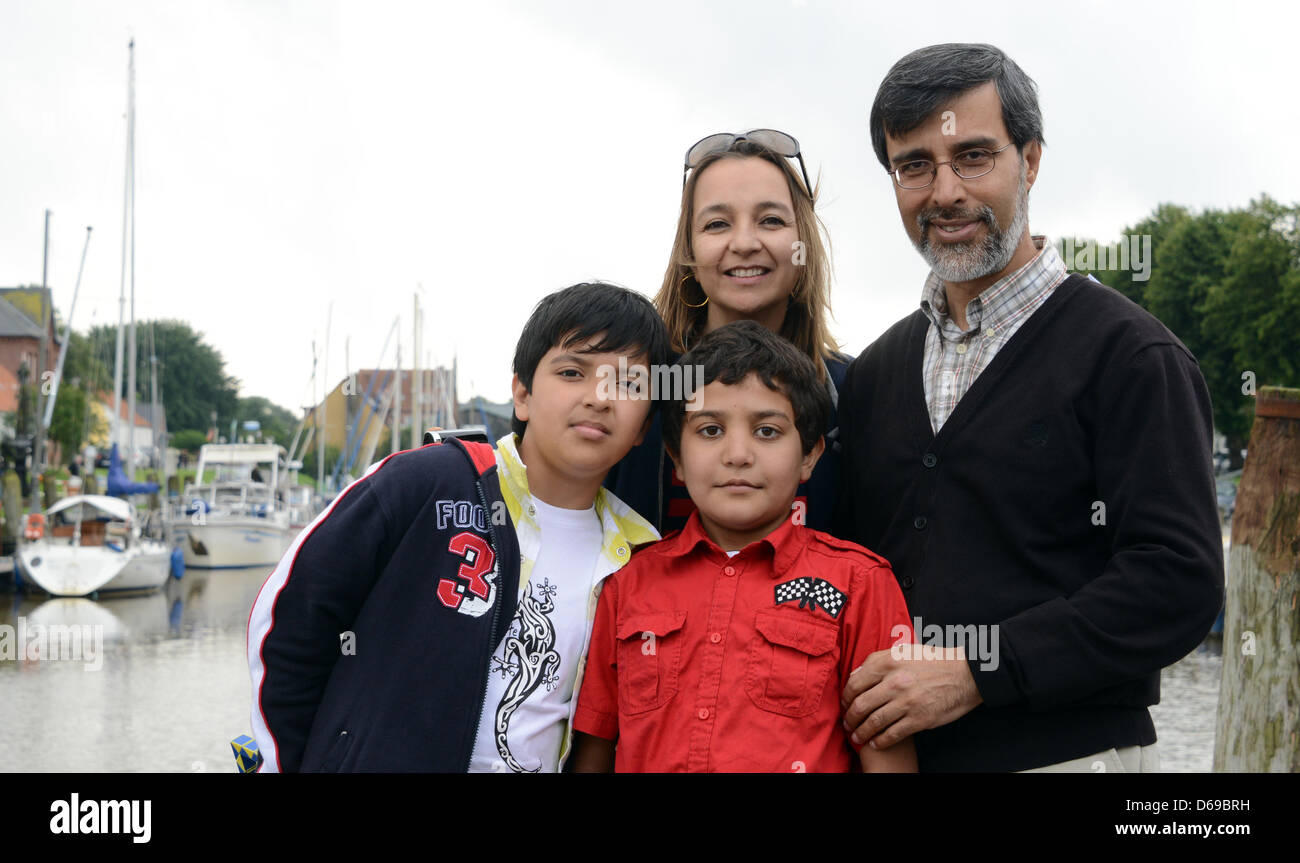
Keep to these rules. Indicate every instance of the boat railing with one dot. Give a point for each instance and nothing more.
(226, 500)
(117, 534)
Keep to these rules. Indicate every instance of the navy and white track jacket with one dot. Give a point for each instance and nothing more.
(369, 643)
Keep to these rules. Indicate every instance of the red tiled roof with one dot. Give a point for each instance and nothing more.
(106, 400)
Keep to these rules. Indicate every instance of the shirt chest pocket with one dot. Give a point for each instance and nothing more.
(649, 658)
(789, 662)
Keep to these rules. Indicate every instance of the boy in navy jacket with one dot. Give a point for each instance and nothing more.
(420, 623)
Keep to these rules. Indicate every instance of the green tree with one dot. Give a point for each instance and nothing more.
(1248, 327)
(1159, 226)
(85, 364)
(189, 440)
(192, 379)
(308, 471)
(73, 420)
(277, 423)
(1227, 283)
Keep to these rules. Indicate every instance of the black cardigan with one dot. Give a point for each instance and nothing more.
(1069, 499)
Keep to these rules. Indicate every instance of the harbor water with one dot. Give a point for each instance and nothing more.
(168, 694)
(171, 688)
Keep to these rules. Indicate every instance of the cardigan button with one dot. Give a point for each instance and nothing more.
(929, 459)
(919, 522)
(907, 582)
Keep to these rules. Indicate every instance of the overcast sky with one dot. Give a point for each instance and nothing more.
(294, 154)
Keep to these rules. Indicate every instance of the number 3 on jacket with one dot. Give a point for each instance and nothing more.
(473, 595)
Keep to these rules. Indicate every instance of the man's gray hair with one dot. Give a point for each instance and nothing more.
(928, 78)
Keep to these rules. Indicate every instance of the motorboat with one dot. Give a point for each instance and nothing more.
(87, 545)
(237, 517)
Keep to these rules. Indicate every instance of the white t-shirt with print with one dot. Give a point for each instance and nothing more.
(532, 672)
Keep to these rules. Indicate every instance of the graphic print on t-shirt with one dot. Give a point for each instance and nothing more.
(524, 720)
(530, 655)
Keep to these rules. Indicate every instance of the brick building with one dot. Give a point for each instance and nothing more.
(20, 340)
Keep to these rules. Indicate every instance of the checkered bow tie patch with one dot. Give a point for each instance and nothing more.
(816, 592)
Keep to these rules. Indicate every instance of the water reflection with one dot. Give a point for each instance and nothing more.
(171, 691)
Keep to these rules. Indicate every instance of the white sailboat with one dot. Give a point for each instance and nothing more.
(90, 544)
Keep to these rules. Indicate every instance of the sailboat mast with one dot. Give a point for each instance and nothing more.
(323, 426)
(397, 399)
(39, 436)
(130, 367)
(417, 383)
(126, 204)
(159, 455)
(67, 331)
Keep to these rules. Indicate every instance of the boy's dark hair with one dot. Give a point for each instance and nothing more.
(928, 78)
(731, 353)
(622, 318)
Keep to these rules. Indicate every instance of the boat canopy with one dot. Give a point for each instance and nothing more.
(113, 507)
(241, 453)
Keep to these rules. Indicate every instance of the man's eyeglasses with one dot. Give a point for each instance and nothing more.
(778, 142)
(968, 164)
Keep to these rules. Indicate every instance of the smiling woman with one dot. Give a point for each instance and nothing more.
(744, 237)
(745, 209)
(748, 246)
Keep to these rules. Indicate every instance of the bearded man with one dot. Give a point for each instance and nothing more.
(1029, 449)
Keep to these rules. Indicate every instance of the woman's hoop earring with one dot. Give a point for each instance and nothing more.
(681, 285)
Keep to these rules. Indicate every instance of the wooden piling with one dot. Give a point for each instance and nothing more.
(49, 490)
(12, 495)
(1258, 721)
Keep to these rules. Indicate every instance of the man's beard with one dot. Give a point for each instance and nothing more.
(966, 262)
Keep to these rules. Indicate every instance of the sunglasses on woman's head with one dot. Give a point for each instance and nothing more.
(778, 142)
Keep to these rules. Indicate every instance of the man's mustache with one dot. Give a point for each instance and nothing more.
(983, 214)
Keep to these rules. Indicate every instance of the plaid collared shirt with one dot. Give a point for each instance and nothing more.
(954, 357)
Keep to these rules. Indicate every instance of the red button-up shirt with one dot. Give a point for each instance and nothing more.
(701, 662)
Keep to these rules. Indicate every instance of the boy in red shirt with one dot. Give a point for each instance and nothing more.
(725, 646)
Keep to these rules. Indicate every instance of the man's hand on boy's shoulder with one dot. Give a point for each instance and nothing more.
(901, 691)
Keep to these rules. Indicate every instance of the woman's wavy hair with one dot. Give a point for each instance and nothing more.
(806, 320)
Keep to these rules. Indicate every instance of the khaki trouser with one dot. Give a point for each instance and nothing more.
(1126, 759)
